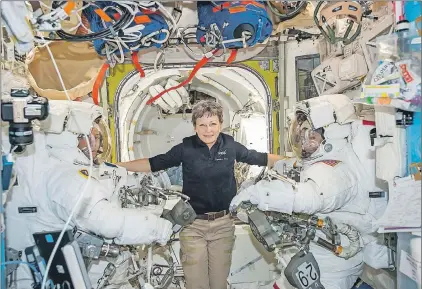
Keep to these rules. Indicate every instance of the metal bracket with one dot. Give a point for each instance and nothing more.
(275, 104)
(390, 240)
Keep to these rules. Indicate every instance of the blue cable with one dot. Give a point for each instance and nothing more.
(20, 262)
(29, 265)
(3, 254)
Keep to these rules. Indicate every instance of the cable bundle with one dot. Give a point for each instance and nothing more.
(141, 27)
(99, 33)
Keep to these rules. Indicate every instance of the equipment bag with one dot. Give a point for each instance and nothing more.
(234, 24)
(147, 29)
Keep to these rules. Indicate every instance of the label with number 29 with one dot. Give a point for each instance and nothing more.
(307, 274)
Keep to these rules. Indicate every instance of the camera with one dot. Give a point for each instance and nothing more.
(20, 109)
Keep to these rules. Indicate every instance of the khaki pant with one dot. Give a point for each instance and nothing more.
(206, 251)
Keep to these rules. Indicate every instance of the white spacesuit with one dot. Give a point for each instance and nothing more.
(51, 174)
(333, 183)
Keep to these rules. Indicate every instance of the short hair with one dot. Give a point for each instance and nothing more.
(207, 108)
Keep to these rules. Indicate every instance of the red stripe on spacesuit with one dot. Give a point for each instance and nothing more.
(331, 163)
(368, 122)
(275, 286)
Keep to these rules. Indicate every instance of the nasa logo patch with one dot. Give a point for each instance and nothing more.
(84, 173)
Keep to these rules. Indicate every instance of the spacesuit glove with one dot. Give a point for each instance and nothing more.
(161, 179)
(246, 184)
(141, 227)
(242, 196)
(166, 228)
(273, 195)
(279, 165)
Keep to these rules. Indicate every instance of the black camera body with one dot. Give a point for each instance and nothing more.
(20, 109)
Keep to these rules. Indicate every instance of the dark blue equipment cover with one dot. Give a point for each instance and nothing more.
(232, 18)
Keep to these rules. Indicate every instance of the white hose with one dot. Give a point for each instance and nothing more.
(149, 265)
(84, 189)
(354, 238)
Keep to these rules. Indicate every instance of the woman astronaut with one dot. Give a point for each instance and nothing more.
(333, 183)
(52, 173)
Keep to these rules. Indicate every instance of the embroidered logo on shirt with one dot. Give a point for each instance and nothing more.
(331, 163)
(221, 156)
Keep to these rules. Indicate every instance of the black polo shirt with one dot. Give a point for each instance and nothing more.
(208, 174)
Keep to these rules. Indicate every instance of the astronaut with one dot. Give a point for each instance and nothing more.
(333, 183)
(54, 171)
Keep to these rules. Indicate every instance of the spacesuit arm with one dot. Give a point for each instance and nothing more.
(324, 190)
(126, 226)
(100, 216)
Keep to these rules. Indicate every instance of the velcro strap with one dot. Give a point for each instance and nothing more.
(138, 66)
(98, 82)
(198, 66)
(232, 56)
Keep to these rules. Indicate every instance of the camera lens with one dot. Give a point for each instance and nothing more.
(20, 134)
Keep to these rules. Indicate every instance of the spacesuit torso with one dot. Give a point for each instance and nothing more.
(333, 183)
(46, 190)
(48, 186)
(346, 201)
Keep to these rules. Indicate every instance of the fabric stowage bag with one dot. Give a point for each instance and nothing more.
(77, 62)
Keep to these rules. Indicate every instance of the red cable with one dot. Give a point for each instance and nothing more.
(198, 66)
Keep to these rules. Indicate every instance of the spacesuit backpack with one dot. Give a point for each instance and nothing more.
(233, 24)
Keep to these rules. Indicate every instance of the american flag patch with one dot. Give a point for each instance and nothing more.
(331, 163)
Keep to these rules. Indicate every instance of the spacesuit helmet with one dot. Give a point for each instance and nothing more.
(303, 138)
(320, 125)
(339, 21)
(99, 142)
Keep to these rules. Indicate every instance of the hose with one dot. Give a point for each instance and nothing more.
(353, 235)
